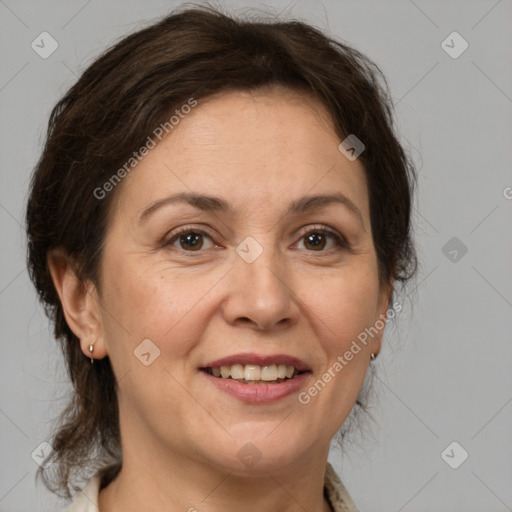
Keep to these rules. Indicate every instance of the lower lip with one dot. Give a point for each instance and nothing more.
(258, 393)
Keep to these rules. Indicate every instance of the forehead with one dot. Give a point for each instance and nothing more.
(254, 148)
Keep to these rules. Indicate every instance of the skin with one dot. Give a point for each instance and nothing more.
(258, 151)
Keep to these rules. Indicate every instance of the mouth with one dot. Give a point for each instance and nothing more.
(257, 379)
(255, 374)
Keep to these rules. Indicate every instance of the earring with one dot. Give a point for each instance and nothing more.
(373, 357)
(91, 350)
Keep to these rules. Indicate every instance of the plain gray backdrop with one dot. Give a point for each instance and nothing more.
(444, 373)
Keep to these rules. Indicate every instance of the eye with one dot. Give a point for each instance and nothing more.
(317, 240)
(190, 240)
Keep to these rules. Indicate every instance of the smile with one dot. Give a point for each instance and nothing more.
(255, 374)
(255, 378)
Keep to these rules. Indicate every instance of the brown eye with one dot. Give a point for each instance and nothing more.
(315, 241)
(189, 241)
(322, 240)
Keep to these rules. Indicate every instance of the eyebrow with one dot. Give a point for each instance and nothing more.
(209, 203)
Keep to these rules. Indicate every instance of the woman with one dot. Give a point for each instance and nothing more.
(217, 223)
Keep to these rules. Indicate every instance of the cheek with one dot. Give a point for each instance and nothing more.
(342, 308)
(343, 305)
(144, 302)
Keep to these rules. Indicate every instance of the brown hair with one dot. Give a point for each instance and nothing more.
(117, 102)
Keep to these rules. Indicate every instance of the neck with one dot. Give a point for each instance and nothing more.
(150, 482)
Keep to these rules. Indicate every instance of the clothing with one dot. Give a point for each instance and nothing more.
(334, 491)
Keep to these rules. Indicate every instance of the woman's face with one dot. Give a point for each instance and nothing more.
(215, 256)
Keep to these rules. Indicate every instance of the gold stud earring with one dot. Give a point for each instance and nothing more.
(91, 350)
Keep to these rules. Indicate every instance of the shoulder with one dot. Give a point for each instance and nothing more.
(337, 493)
(87, 498)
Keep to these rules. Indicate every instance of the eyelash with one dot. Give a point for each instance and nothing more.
(341, 242)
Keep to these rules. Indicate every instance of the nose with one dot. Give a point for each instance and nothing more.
(260, 294)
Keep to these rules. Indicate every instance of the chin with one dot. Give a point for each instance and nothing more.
(261, 450)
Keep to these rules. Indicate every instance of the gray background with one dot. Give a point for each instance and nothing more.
(444, 374)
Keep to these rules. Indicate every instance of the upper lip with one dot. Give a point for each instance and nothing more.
(260, 360)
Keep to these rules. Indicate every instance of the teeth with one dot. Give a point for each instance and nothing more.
(269, 372)
(254, 372)
(237, 371)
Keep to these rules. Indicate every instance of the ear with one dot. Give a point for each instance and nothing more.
(385, 294)
(79, 302)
